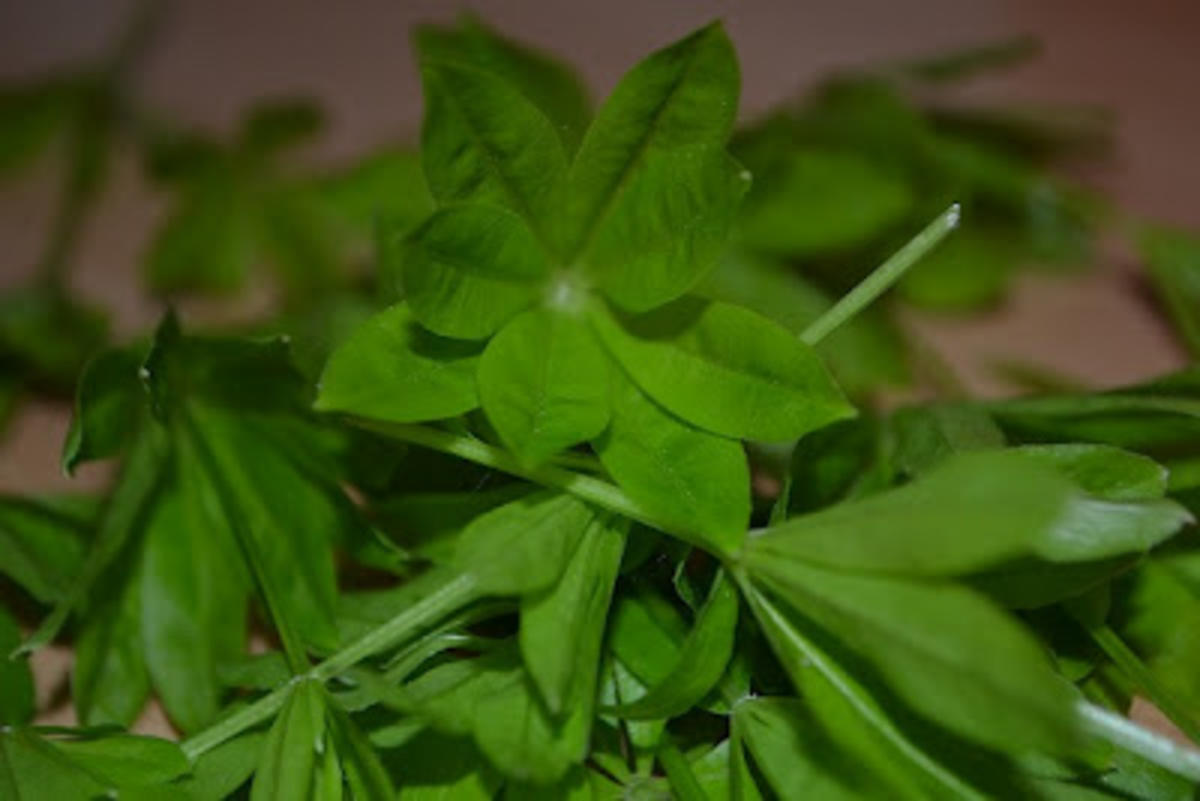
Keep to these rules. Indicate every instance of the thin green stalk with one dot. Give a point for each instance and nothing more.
(883, 277)
(1135, 669)
(1126, 734)
(453, 595)
(589, 488)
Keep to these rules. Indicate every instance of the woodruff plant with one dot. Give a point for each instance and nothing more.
(583, 599)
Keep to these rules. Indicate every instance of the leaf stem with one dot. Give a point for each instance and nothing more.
(589, 488)
(454, 594)
(1135, 669)
(882, 277)
(1126, 734)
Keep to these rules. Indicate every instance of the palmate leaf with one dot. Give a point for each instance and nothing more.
(227, 485)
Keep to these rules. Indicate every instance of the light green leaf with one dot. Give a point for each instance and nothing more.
(1011, 508)
(468, 269)
(698, 482)
(392, 369)
(16, 680)
(524, 546)
(289, 759)
(793, 755)
(724, 369)
(700, 663)
(551, 85)
(946, 651)
(387, 185)
(126, 759)
(483, 141)
(817, 200)
(1103, 471)
(561, 627)
(31, 767)
(652, 192)
(544, 384)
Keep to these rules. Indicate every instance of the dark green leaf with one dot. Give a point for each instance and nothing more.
(16, 680)
(652, 192)
(469, 269)
(221, 771)
(549, 84)
(109, 401)
(926, 435)
(1174, 261)
(30, 116)
(544, 384)
(47, 335)
(970, 269)
(700, 664)
(392, 369)
(483, 141)
(725, 369)
(793, 755)
(31, 767)
(562, 627)
(290, 756)
(947, 651)
(524, 546)
(274, 125)
(385, 185)
(366, 777)
(43, 544)
(694, 480)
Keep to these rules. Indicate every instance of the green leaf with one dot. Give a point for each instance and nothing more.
(191, 581)
(1174, 261)
(392, 369)
(283, 519)
(32, 115)
(1104, 471)
(549, 84)
(1011, 508)
(483, 141)
(817, 200)
(31, 767)
(277, 124)
(701, 660)
(43, 544)
(47, 336)
(518, 736)
(863, 354)
(969, 270)
(524, 546)
(469, 269)
(562, 626)
(218, 773)
(109, 682)
(126, 759)
(440, 768)
(109, 401)
(725, 369)
(289, 759)
(16, 680)
(544, 384)
(948, 652)
(652, 192)
(388, 184)
(926, 435)
(696, 481)
(366, 776)
(793, 755)
(208, 241)
(850, 713)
